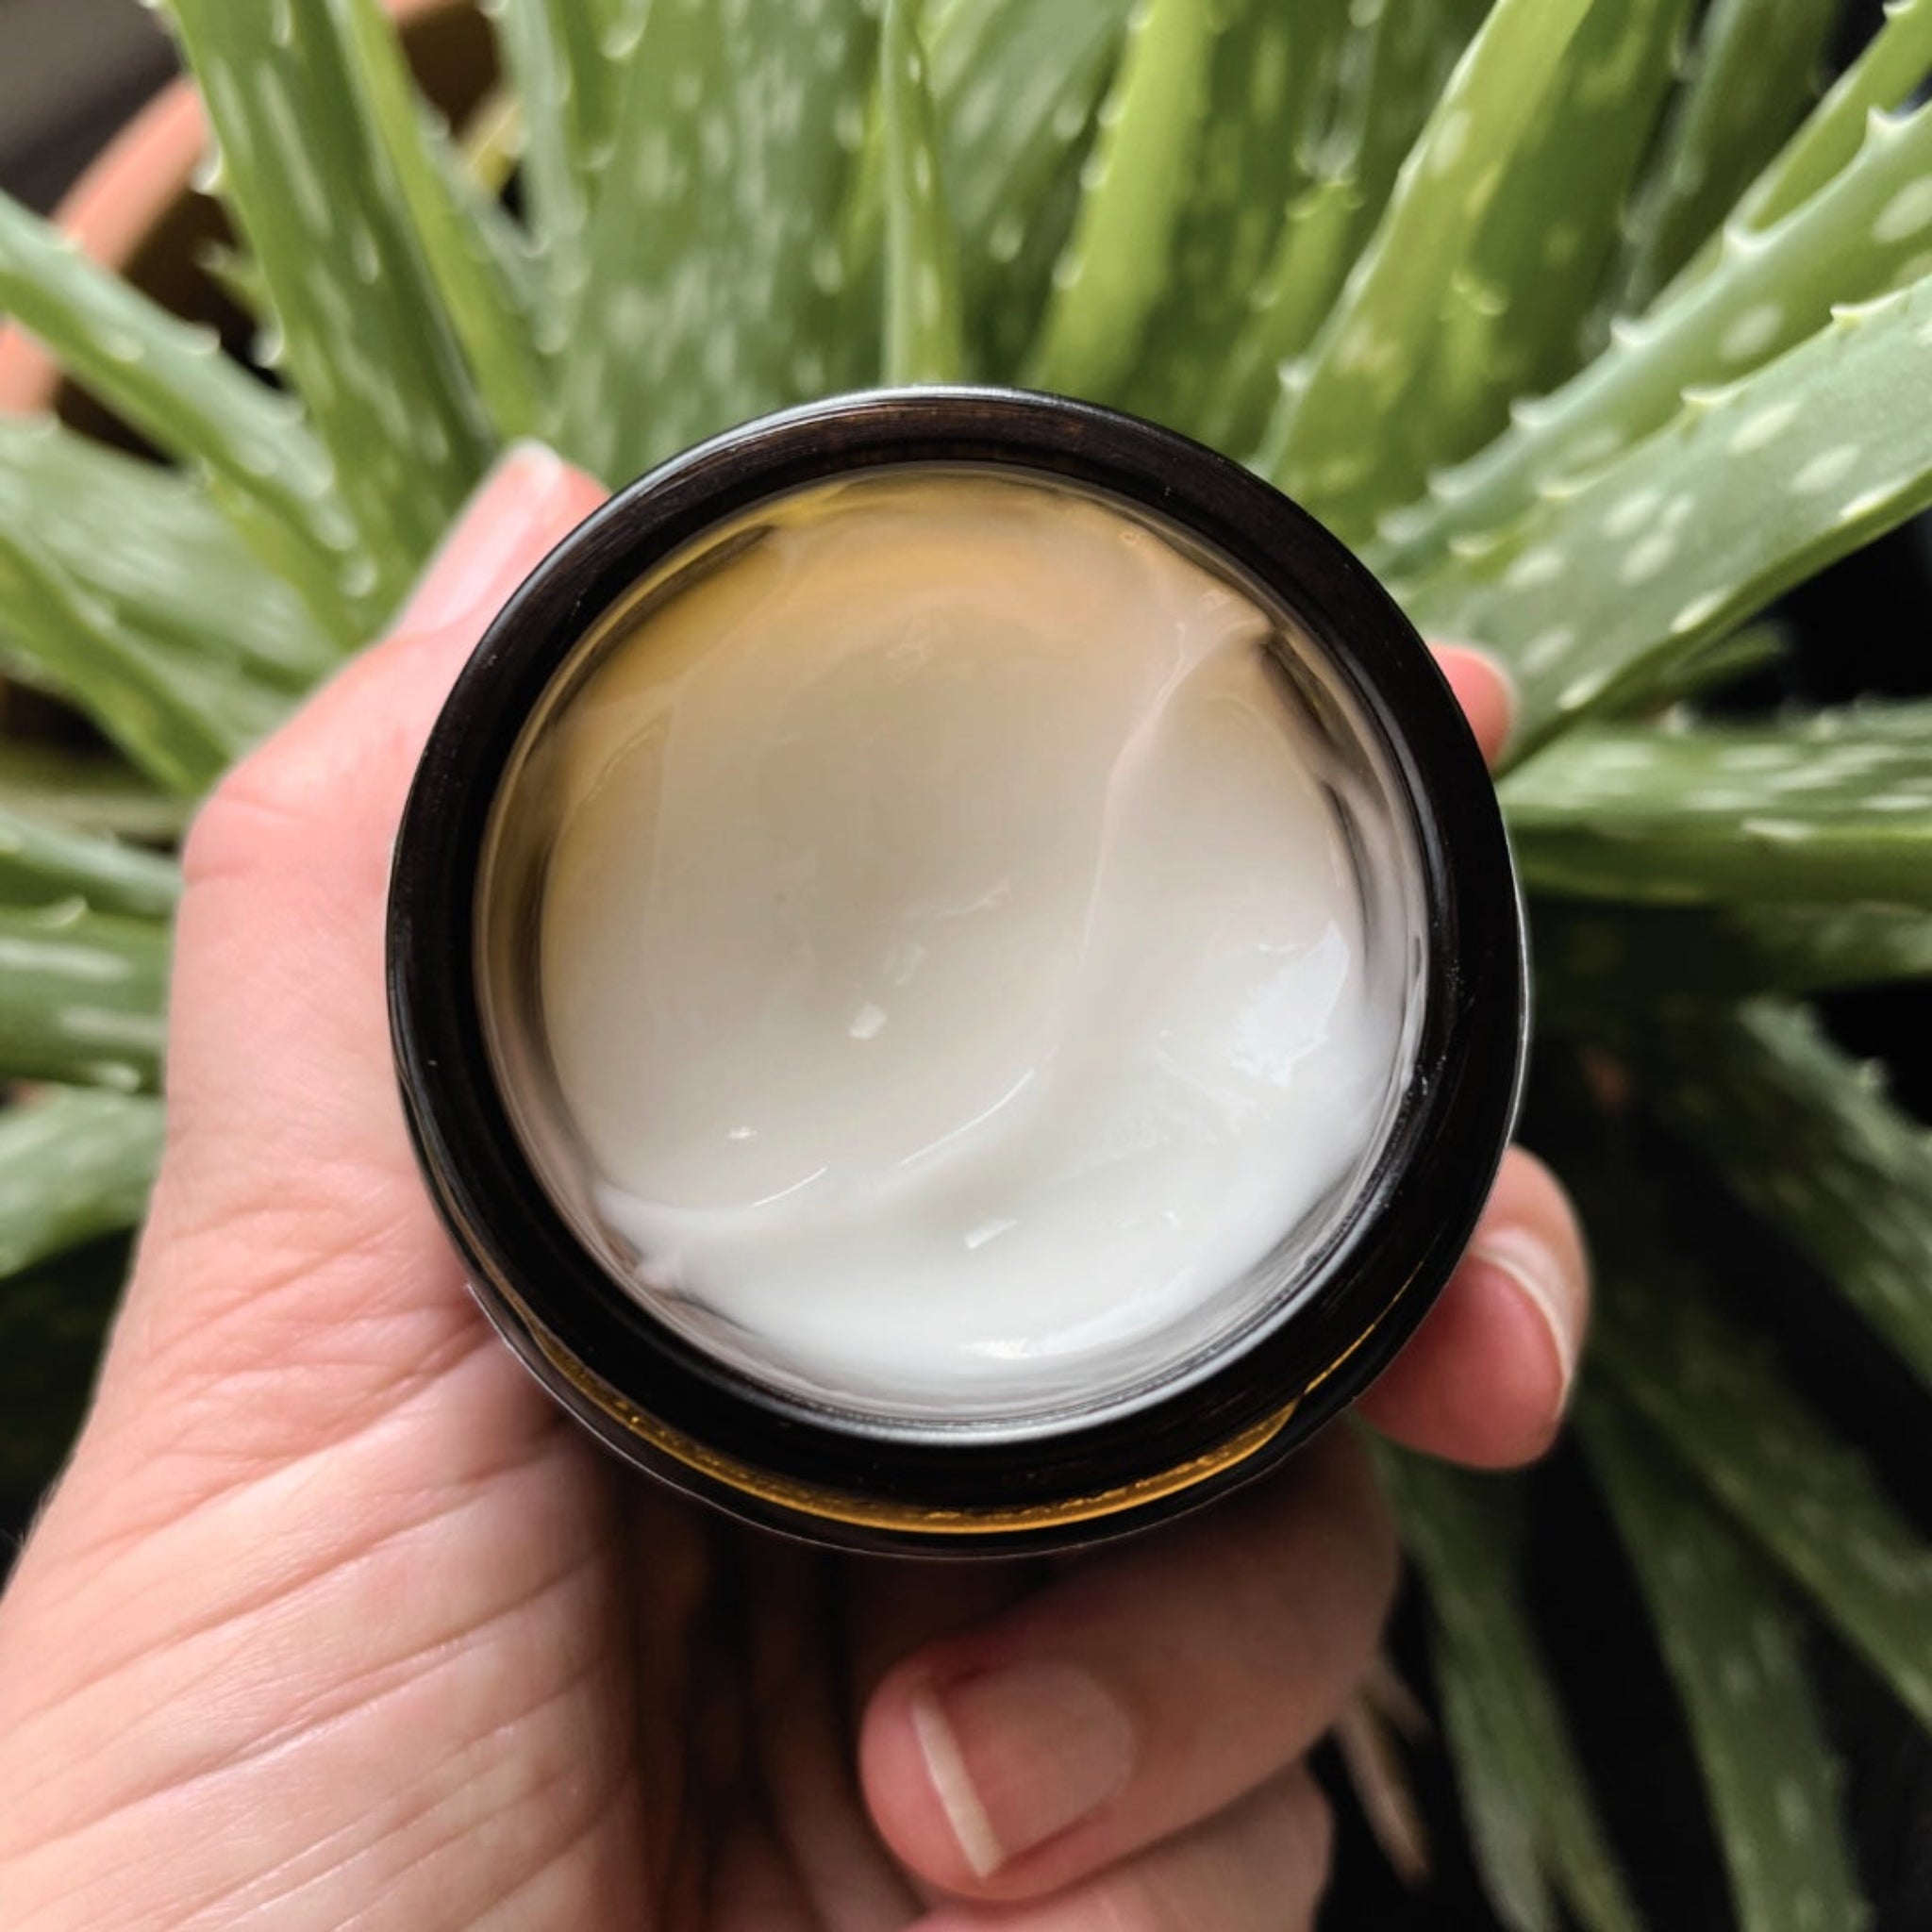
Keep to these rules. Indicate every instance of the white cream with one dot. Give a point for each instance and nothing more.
(952, 958)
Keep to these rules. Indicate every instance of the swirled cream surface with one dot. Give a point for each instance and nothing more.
(958, 961)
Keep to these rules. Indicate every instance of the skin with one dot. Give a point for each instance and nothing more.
(334, 1621)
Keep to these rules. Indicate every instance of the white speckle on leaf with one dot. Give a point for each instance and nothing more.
(1753, 332)
(1762, 427)
(1829, 467)
(1542, 565)
(1907, 213)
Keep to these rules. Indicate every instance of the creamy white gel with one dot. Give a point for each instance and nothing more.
(953, 960)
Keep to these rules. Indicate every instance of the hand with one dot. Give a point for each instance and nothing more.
(334, 1620)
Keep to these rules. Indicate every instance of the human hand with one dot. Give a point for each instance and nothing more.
(335, 1619)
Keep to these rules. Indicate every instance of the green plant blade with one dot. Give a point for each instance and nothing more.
(1754, 74)
(451, 220)
(73, 1166)
(52, 1319)
(924, 328)
(1837, 808)
(1715, 1397)
(1134, 187)
(1373, 351)
(181, 720)
(1522, 1749)
(362, 333)
(718, 288)
(1613, 972)
(1732, 1650)
(152, 548)
(81, 998)
(172, 384)
(1811, 1142)
(47, 864)
(88, 792)
(1853, 241)
(1800, 463)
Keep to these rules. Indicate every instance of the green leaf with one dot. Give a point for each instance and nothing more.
(1714, 1395)
(1754, 74)
(1373, 350)
(1808, 1138)
(52, 1322)
(1855, 239)
(81, 998)
(153, 548)
(452, 224)
(364, 334)
(173, 384)
(1836, 808)
(1263, 97)
(718, 288)
(1614, 582)
(88, 792)
(180, 718)
(1521, 1749)
(923, 327)
(1732, 1649)
(44, 863)
(73, 1165)
(1133, 189)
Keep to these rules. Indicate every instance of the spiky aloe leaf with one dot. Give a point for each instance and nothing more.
(88, 792)
(925, 331)
(718, 288)
(1754, 72)
(173, 384)
(1732, 1649)
(1839, 808)
(364, 337)
(1134, 189)
(1520, 1747)
(73, 1165)
(181, 719)
(1809, 1141)
(1263, 96)
(51, 1322)
(1373, 350)
(152, 548)
(1616, 971)
(1715, 1397)
(454, 226)
(1855, 239)
(1673, 543)
(46, 864)
(81, 998)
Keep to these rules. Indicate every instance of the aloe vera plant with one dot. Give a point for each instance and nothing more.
(1578, 316)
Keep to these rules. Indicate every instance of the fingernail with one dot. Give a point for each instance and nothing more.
(1019, 1756)
(524, 492)
(1504, 680)
(1549, 1287)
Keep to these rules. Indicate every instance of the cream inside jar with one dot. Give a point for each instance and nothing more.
(951, 946)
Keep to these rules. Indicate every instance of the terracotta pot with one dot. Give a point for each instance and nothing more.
(136, 209)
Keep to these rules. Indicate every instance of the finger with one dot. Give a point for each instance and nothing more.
(1259, 1867)
(1142, 1691)
(1486, 1376)
(1483, 689)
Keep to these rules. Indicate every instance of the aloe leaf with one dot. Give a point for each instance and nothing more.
(81, 997)
(1808, 1138)
(1753, 72)
(1715, 1397)
(73, 1165)
(46, 864)
(1743, 653)
(180, 719)
(1522, 1748)
(364, 334)
(1263, 96)
(1373, 351)
(1732, 1650)
(1133, 189)
(1617, 970)
(1865, 231)
(451, 220)
(52, 1319)
(152, 547)
(88, 792)
(718, 288)
(924, 339)
(1837, 807)
(173, 384)
(1673, 542)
